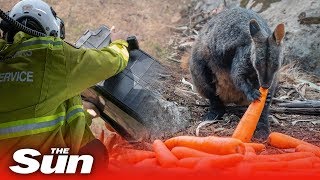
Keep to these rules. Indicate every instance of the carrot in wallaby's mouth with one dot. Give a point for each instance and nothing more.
(249, 120)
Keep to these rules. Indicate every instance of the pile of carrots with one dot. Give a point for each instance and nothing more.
(226, 154)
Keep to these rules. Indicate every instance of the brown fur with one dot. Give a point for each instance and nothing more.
(227, 91)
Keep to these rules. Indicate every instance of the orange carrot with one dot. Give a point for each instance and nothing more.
(184, 152)
(305, 163)
(249, 157)
(210, 144)
(291, 156)
(286, 173)
(189, 162)
(163, 154)
(258, 147)
(279, 157)
(250, 151)
(148, 163)
(133, 156)
(119, 164)
(308, 148)
(249, 120)
(219, 162)
(316, 165)
(178, 171)
(283, 141)
(267, 166)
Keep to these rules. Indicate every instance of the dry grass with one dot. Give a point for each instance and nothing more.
(293, 79)
(147, 19)
(291, 74)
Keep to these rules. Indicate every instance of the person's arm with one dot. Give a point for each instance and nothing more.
(86, 67)
(2, 43)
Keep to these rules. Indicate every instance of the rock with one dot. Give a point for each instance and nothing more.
(163, 117)
(302, 40)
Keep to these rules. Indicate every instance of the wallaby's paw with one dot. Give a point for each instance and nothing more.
(262, 132)
(214, 115)
(254, 95)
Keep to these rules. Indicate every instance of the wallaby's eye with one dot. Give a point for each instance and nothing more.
(274, 59)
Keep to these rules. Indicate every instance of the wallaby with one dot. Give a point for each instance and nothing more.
(235, 54)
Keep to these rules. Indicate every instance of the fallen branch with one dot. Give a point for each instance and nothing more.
(310, 107)
(301, 111)
(313, 121)
(301, 104)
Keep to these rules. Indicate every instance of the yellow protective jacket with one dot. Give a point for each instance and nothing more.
(40, 82)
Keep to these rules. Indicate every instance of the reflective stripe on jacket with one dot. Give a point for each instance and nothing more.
(40, 82)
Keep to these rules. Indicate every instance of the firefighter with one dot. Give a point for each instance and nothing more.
(41, 79)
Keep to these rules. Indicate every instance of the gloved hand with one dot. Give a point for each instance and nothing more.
(91, 105)
(91, 109)
(116, 35)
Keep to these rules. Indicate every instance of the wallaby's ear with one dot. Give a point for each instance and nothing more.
(279, 33)
(254, 27)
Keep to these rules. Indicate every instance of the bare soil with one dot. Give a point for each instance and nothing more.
(151, 20)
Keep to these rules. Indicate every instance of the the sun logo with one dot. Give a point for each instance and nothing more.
(65, 163)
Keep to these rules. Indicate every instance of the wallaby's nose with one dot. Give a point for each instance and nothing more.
(265, 86)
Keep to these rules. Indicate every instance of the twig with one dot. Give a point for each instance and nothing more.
(280, 117)
(291, 92)
(185, 82)
(204, 123)
(275, 120)
(174, 60)
(278, 100)
(164, 75)
(313, 121)
(197, 15)
(178, 29)
(312, 85)
(302, 111)
(185, 93)
(287, 87)
(300, 94)
(199, 21)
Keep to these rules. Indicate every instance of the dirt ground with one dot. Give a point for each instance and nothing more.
(150, 21)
